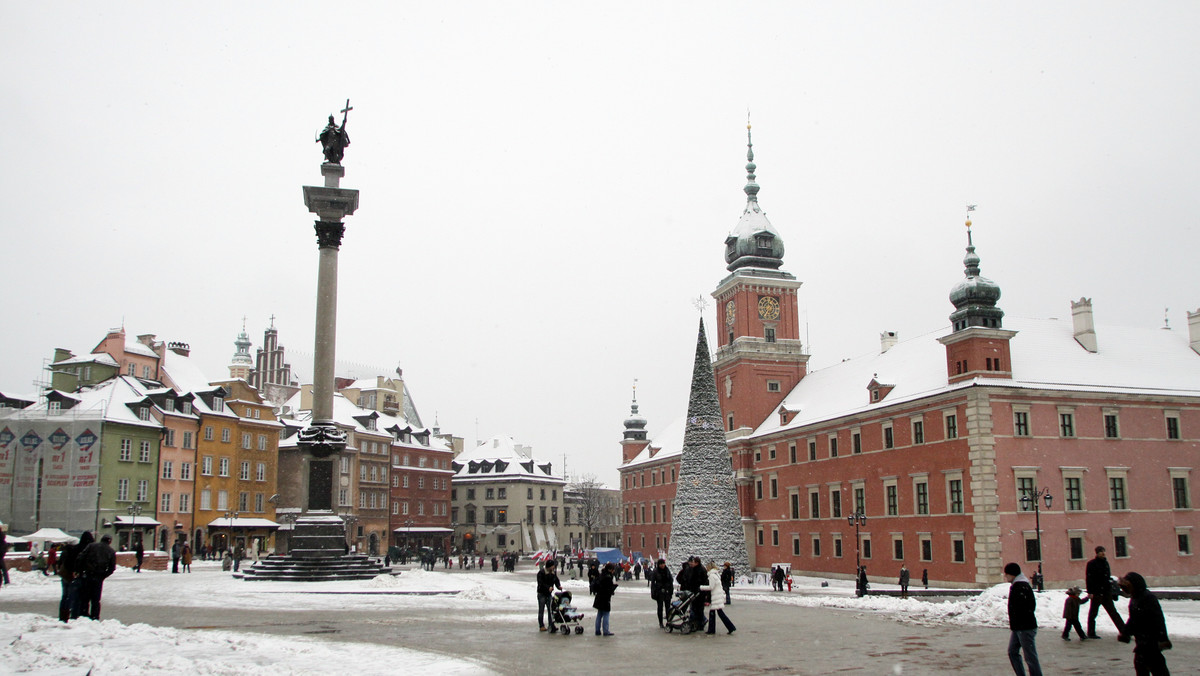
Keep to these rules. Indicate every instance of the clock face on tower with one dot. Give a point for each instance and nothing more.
(730, 313)
(768, 308)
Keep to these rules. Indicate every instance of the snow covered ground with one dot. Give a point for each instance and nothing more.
(41, 645)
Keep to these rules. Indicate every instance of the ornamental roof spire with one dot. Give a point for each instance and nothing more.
(754, 242)
(751, 187)
(975, 297)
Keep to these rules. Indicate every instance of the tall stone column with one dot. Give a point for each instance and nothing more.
(322, 439)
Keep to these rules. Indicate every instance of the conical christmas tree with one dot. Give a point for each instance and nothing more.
(706, 520)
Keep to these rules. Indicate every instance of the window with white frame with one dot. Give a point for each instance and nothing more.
(244, 474)
(122, 489)
(260, 472)
(168, 469)
(144, 451)
(185, 471)
(921, 494)
(223, 467)
(222, 500)
(185, 502)
(126, 450)
(164, 502)
(225, 435)
(206, 499)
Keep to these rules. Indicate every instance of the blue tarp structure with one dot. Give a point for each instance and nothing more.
(609, 555)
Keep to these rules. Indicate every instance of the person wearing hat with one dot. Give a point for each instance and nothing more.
(1071, 614)
(1022, 620)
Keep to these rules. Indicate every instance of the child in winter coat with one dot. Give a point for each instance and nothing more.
(1071, 614)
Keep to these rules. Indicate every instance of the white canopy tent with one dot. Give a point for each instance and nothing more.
(54, 535)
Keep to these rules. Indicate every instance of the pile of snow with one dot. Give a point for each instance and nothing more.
(43, 645)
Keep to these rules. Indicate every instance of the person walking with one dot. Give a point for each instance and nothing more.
(593, 577)
(176, 554)
(3, 552)
(70, 573)
(716, 604)
(662, 588)
(862, 584)
(1071, 614)
(925, 578)
(1098, 579)
(606, 586)
(185, 558)
(139, 553)
(99, 561)
(903, 581)
(547, 580)
(727, 582)
(1022, 621)
(777, 578)
(1146, 626)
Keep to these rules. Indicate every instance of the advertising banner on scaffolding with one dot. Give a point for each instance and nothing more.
(49, 471)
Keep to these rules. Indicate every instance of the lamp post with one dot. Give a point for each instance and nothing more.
(1032, 499)
(230, 516)
(135, 510)
(858, 519)
(408, 523)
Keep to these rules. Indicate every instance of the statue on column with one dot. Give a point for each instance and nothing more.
(334, 139)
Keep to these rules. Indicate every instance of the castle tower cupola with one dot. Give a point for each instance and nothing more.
(635, 425)
(975, 297)
(754, 242)
(242, 362)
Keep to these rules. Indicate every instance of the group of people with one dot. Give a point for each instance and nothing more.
(603, 590)
(1145, 626)
(82, 569)
(692, 577)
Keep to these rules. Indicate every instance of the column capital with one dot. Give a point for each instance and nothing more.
(329, 234)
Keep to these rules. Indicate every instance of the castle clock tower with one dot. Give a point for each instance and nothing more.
(759, 354)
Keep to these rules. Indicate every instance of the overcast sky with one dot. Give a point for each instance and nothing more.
(545, 188)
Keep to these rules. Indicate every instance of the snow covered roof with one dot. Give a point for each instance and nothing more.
(183, 373)
(665, 444)
(97, 358)
(134, 347)
(114, 397)
(1045, 355)
(351, 416)
(501, 458)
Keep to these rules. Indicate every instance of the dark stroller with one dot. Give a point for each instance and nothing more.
(680, 614)
(564, 614)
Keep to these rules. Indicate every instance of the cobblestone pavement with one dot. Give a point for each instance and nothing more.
(770, 638)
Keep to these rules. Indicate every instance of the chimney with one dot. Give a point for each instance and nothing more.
(1085, 326)
(181, 349)
(887, 340)
(1194, 329)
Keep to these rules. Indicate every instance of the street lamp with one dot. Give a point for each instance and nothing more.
(230, 516)
(135, 510)
(1031, 498)
(858, 520)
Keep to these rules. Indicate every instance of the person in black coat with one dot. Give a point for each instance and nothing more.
(606, 586)
(593, 577)
(97, 561)
(1146, 626)
(662, 588)
(547, 580)
(1099, 588)
(70, 573)
(727, 582)
(1022, 621)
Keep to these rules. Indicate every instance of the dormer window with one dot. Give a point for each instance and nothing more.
(55, 407)
(169, 404)
(187, 408)
(143, 413)
(218, 404)
(370, 423)
(762, 241)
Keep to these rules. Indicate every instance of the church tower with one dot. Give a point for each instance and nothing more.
(759, 354)
(978, 346)
(239, 367)
(635, 432)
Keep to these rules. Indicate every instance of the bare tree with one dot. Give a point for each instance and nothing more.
(594, 505)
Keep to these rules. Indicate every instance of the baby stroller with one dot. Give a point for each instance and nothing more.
(679, 615)
(564, 614)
